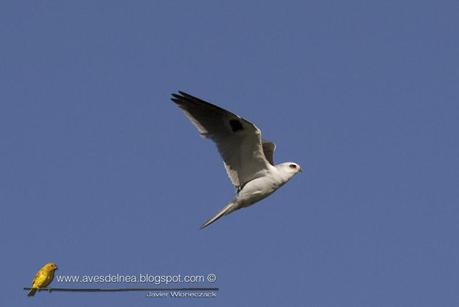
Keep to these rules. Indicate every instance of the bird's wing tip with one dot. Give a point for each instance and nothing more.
(181, 96)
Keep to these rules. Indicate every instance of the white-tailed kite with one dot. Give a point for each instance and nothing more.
(248, 158)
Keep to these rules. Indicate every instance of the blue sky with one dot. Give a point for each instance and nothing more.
(102, 174)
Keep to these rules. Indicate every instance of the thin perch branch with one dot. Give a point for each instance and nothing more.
(121, 289)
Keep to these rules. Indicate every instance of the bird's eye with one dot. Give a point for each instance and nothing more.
(292, 166)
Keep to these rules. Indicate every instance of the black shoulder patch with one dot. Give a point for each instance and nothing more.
(235, 125)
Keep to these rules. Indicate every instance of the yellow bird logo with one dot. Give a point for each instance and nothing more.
(43, 277)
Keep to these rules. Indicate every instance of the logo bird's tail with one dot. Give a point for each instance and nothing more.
(32, 292)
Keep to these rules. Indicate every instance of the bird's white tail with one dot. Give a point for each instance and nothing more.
(226, 210)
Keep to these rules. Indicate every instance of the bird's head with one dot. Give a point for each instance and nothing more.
(51, 266)
(290, 168)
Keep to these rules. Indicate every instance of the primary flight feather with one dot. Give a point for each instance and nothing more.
(247, 157)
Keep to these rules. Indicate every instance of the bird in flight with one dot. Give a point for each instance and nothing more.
(43, 277)
(247, 157)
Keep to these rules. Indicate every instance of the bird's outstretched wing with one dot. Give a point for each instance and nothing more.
(238, 140)
(268, 150)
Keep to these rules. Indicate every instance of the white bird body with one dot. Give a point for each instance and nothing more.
(248, 159)
(263, 186)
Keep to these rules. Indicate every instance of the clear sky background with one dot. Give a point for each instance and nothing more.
(102, 174)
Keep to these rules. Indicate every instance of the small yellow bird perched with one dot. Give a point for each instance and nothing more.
(43, 277)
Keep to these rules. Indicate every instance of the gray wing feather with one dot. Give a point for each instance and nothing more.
(268, 149)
